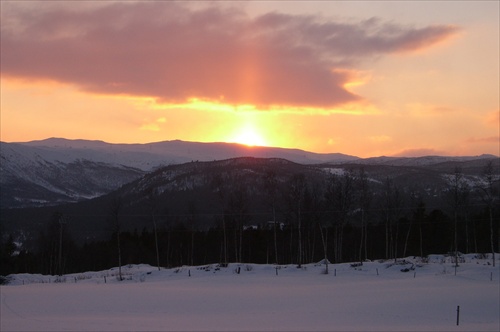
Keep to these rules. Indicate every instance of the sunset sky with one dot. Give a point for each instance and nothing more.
(365, 78)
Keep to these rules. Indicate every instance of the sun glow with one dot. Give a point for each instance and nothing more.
(248, 136)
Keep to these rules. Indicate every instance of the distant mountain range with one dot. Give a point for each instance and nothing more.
(56, 170)
(149, 156)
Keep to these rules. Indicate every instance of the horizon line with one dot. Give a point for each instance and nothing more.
(398, 155)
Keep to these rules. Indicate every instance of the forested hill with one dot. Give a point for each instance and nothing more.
(364, 210)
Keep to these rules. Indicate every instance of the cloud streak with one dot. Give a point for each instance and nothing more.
(173, 52)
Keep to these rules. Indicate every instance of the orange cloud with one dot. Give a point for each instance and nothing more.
(173, 52)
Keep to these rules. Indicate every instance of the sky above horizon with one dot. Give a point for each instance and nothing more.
(365, 78)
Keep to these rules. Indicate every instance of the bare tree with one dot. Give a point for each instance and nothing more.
(62, 222)
(489, 197)
(238, 211)
(318, 194)
(387, 205)
(153, 205)
(339, 197)
(465, 207)
(219, 186)
(50, 245)
(313, 211)
(115, 208)
(364, 201)
(419, 218)
(455, 195)
(324, 241)
(296, 189)
(271, 189)
(192, 212)
(391, 204)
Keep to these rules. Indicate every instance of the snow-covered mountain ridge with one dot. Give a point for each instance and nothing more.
(40, 176)
(58, 170)
(153, 155)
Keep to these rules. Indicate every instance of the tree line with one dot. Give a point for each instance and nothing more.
(343, 217)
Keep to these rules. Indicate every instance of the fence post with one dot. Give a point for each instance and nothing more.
(458, 314)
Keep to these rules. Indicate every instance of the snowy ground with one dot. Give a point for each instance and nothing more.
(374, 296)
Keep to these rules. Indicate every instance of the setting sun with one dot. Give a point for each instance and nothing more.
(248, 136)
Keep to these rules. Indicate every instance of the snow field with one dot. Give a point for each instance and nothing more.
(219, 299)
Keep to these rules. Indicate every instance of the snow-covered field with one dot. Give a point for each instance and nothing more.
(374, 296)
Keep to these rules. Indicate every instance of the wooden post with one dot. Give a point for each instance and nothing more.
(104, 279)
(377, 271)
(458, 314)
(276, 270)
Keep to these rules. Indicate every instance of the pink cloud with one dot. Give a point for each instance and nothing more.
(172, 52)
